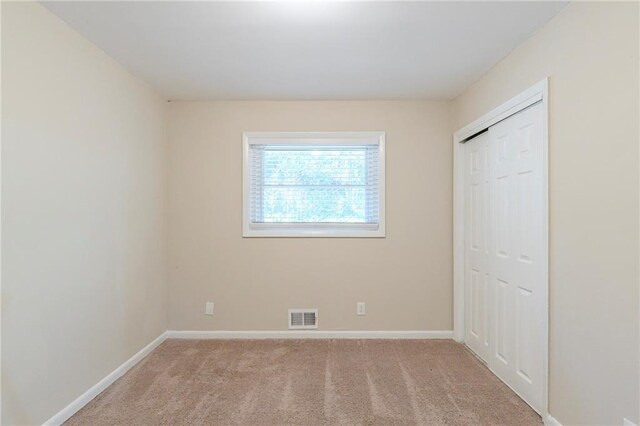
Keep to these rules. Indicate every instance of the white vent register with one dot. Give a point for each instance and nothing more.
(303, 319)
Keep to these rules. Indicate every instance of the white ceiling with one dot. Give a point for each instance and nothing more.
(307, 49)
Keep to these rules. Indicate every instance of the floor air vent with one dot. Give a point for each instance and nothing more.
(303, 318)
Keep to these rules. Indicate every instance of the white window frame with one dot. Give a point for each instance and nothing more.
(318, 229)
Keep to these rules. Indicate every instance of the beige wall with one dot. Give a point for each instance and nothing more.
(83, 244)
(590, 53)
(405, 279)
(84, 181)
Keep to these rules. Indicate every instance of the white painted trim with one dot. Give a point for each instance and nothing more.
(536, 93)
(627, 422)
(306, 334)
(66, 413)
(519, 102)
(549, 420)
(1, 293)
(543, 87)
(313, 230)
(458, 241)
(95, 390)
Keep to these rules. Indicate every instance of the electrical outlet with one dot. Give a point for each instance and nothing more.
(360, 310)
(208, 310)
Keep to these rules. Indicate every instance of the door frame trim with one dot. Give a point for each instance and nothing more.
(539, 92)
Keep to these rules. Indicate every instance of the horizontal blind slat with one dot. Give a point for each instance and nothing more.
(314, 184)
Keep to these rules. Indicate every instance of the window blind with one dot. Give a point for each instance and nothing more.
(314, 185)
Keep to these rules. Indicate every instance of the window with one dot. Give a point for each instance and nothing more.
(314, 184)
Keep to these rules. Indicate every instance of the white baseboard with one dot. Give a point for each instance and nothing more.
(64, 414)
(309, 334)
(95, 390)
(549, 420)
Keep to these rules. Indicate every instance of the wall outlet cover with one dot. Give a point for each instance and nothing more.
(208, 308)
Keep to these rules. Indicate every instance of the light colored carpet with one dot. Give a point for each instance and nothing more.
(308, 382)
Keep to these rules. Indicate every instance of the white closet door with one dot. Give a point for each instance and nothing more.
(477, 244)
(516, 223)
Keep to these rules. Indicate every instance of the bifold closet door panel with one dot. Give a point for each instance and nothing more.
(516, 168)
(477, 245)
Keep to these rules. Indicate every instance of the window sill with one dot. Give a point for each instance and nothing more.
(313, 233)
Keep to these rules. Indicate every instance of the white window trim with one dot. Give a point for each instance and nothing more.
(313, 230)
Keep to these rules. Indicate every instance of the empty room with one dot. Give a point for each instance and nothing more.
(320, 213)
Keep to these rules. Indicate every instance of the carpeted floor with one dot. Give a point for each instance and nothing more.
(308, 382)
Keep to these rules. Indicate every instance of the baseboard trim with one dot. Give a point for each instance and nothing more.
(309, 334)
(95, 390)
(64, 414)
(549, 420)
